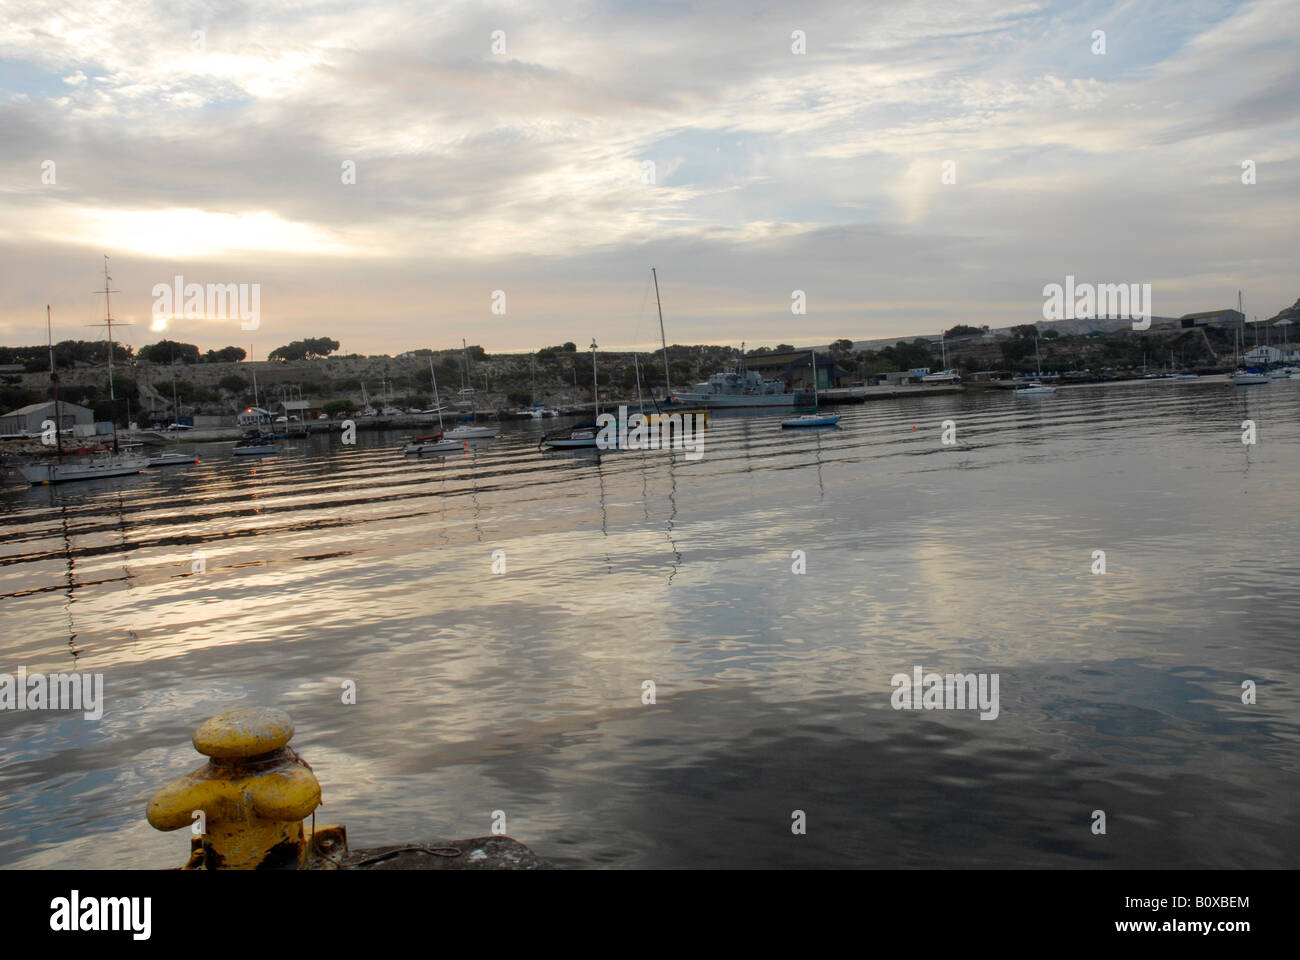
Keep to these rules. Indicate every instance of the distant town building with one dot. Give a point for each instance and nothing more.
(254, 416)
(1263, 355)
(301, 409)
(794, 367)
(1211, 318)
(896, 378)
(28, 419)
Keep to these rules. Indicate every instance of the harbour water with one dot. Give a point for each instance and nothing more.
(278, 581)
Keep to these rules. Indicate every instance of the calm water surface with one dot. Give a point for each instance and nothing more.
(522, 692)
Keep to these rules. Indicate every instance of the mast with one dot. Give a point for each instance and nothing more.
(640, 404)
(436, 402)
(108, 321)
(532, 364)
(176, 407)
(816, 401)
(54, 385)
(1242, 324)
(595, 386)
(469, 380)
(49, 335)
(662, 339)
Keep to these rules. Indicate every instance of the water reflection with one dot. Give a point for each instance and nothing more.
(522, 691)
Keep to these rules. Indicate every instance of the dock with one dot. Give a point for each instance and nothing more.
(836, 395)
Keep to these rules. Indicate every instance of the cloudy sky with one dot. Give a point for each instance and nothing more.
(210, 140)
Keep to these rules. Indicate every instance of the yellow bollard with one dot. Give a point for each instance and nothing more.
(253, 794)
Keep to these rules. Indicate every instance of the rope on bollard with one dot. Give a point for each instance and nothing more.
(414, 848)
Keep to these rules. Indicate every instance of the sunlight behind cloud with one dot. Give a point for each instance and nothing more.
(198, 233)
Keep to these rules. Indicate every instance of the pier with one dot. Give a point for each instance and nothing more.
(835, 395)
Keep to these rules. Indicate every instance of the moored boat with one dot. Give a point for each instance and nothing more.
(811, 420)
(92, 466)
(737, 388)
(434, 443)
(91, 462)
(172, 459)
(256, 445)
(442, 441)
(1035, 387)
(814, 419)
(471, 433)
(581, 436)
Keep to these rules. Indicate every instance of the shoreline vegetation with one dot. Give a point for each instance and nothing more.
(221, 383)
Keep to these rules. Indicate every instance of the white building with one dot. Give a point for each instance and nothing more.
(254, 416)
(1263, 355)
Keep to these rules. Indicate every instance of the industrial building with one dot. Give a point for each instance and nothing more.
(28, 419)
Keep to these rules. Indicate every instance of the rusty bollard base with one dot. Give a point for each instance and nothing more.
(251, 796)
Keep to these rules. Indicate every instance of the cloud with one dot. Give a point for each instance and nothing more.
(522, 171)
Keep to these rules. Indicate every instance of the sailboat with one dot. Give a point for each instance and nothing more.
(473, 431)
(537, 410)
(584, 434)
(172, 459)
(1243, 376)
(812, 419)
(437, 442)
(90, 462)
(947, 374)
(1035, 387)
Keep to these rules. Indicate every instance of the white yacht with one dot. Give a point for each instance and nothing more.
(1035, 387)
(91, 465)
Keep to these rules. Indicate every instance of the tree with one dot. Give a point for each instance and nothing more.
(961, 330)
(1014, 351)
(225, 355)
(1050, 334)
(570, 347)
(1024, 330)
(304, 349)
(841, 348)
(908, 356)
(335, 407)
(233, 384)
(165, 350)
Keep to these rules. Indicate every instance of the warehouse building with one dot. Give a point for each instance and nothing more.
(28, 419)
